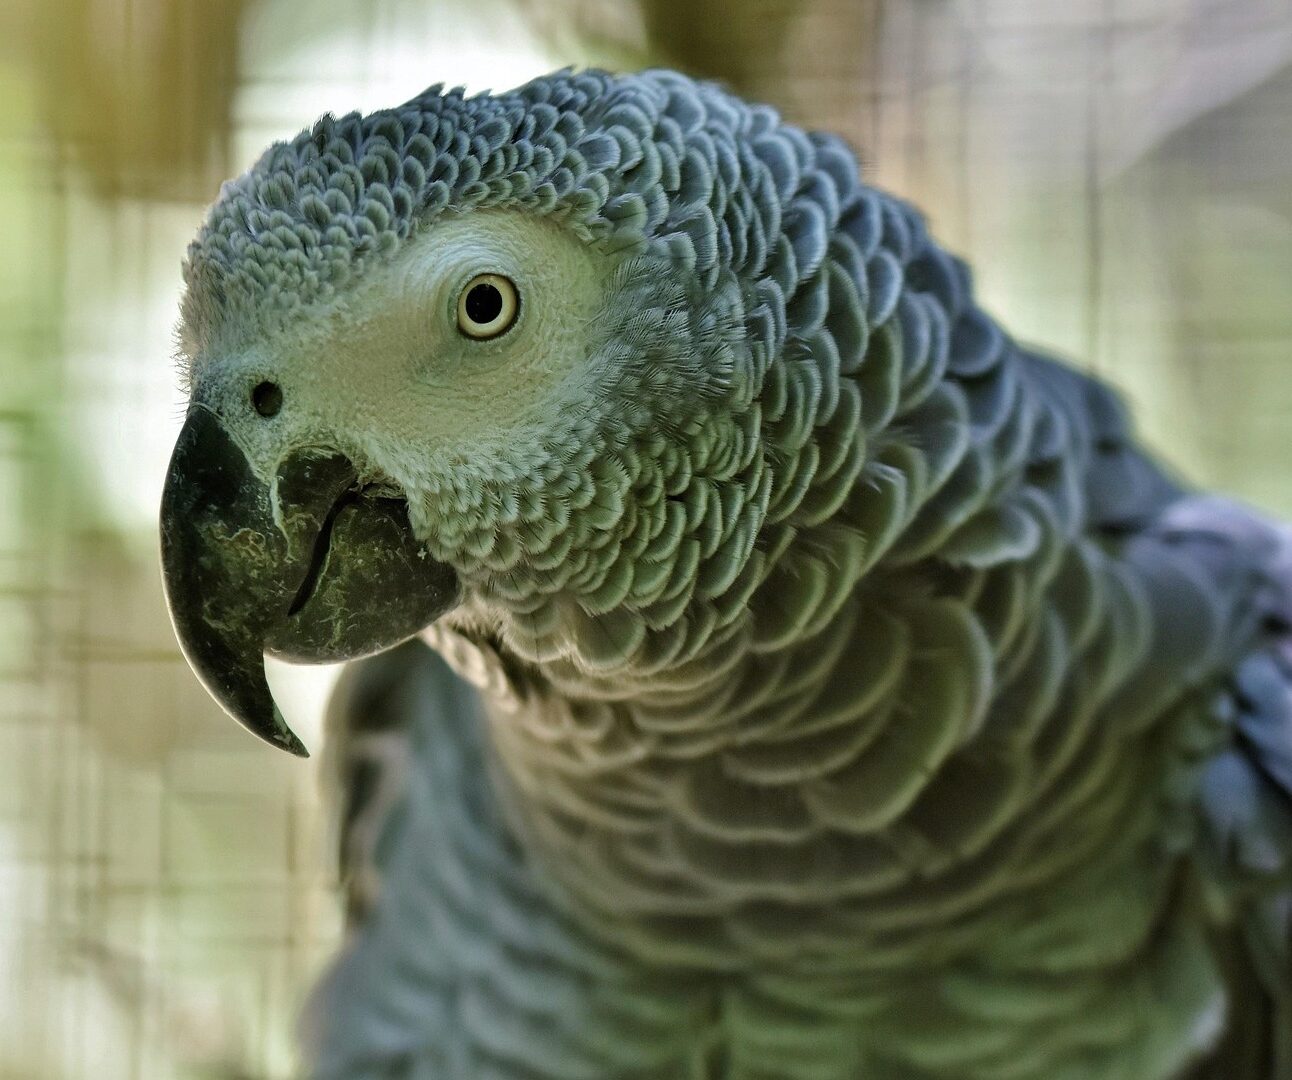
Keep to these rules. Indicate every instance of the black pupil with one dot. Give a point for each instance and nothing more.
(267, 399)
(484, 303)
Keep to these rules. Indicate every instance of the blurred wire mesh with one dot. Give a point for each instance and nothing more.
(1118, 171)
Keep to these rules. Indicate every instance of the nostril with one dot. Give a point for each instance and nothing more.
(267, 398)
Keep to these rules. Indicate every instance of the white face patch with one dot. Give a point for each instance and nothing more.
(385, 372)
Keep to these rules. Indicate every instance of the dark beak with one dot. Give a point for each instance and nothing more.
(313, 568)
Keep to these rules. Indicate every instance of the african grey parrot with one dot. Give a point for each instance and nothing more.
(822, 686)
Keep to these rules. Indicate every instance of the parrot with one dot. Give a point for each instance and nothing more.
(763, 667)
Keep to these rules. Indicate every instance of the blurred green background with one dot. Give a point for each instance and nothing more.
(1119, 172)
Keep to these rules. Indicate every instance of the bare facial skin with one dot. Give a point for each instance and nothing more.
(385, 373)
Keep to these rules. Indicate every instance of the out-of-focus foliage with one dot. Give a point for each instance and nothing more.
(815, 59)
(139, 93)
(1119, 173)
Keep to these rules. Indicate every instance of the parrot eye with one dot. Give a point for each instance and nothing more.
(488, 306)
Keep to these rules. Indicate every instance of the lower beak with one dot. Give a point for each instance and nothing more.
(313, 568)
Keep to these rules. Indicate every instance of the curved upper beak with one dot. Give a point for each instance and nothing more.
(313, 567)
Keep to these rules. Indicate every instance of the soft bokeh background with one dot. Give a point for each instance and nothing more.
(1118, 171)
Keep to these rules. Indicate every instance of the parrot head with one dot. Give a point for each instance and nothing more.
(466, 356)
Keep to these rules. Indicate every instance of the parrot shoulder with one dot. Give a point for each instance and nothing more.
(402, 749)
(1243, 843)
